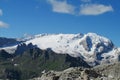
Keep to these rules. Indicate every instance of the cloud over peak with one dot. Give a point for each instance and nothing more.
(86, 7)
(62, 7)
(94, 9)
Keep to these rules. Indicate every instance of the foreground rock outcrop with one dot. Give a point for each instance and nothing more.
(104, 72)
(76, 73)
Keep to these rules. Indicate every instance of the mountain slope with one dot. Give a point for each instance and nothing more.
(5, 42)
(31, 62)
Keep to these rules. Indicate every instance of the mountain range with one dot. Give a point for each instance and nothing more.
(27, 57)
(92, 48)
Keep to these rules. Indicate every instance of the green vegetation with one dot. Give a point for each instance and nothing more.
(32, 62)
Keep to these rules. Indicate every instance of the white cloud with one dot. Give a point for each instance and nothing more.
(86, 7)
(3, 24)
(1, 13)
(62, 6)
(94, 9)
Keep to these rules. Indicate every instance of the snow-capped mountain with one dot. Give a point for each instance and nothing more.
(91, 47)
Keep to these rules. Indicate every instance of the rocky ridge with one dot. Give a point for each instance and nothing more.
(104, 72)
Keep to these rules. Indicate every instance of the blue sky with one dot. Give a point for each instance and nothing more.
(19, 17)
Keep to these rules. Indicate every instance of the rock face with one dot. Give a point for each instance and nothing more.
(87, 43)
(110, 72)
